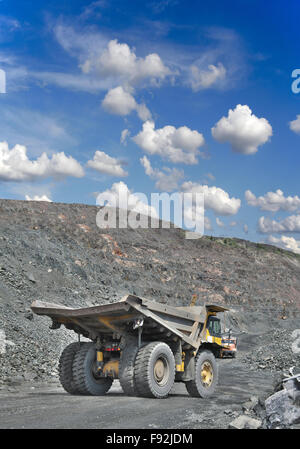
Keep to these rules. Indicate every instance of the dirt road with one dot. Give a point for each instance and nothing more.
(48, 406)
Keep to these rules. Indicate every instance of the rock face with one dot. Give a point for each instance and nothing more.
(56, 253)
(283, 407)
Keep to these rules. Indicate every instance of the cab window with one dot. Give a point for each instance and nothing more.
(214, 326)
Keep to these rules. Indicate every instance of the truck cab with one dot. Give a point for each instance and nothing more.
(226, 342)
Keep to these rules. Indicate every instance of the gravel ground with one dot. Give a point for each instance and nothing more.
(273, 352)
(44, 405)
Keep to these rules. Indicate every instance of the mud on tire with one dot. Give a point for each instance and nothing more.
(65, 367)
(154, 370)
(84, 379)
(206, 376)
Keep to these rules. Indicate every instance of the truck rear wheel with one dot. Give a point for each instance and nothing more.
(84, 374)
(126, 368)
(206, 376)
(154, 370)
(65, 367)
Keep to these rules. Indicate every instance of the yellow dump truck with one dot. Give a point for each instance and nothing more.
(146, 345)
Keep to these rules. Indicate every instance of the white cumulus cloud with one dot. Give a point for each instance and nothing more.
(104, 163)
(243, 130)
(16, 166)
(206, 78)
(288, 224)
(178, 145)
(119, 61)
(38, 198)
(120, 102)
(273, 201)
(215, 198)
(284, 242)
(124, 136)
(220, 223)
(295, 125)
(167, 180)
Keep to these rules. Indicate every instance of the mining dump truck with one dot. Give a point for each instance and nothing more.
(146, 345)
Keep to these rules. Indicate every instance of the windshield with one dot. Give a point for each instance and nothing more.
(214, 326)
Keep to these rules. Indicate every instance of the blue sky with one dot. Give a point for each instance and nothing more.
(80, 73)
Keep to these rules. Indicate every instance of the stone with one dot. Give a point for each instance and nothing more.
(16, 380)
(28, 315)
(31, 278)
(281, 411)
(251, 404)
(245, 422)
(259, 408)
(29, 376)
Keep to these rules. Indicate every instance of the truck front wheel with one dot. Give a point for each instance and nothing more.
(206, 376)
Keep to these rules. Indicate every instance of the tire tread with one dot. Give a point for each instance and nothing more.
(83, 385)
(191, 385)
(126, 369)
(65, 367)
(141, 372)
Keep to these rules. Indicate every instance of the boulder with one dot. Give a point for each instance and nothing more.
(282, 408)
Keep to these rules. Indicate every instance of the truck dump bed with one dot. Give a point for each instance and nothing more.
(123, 317)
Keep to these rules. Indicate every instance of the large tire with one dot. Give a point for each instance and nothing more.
(154, 370)
(206, 376)
(65, 367)
(85, 381)
(126, 368)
